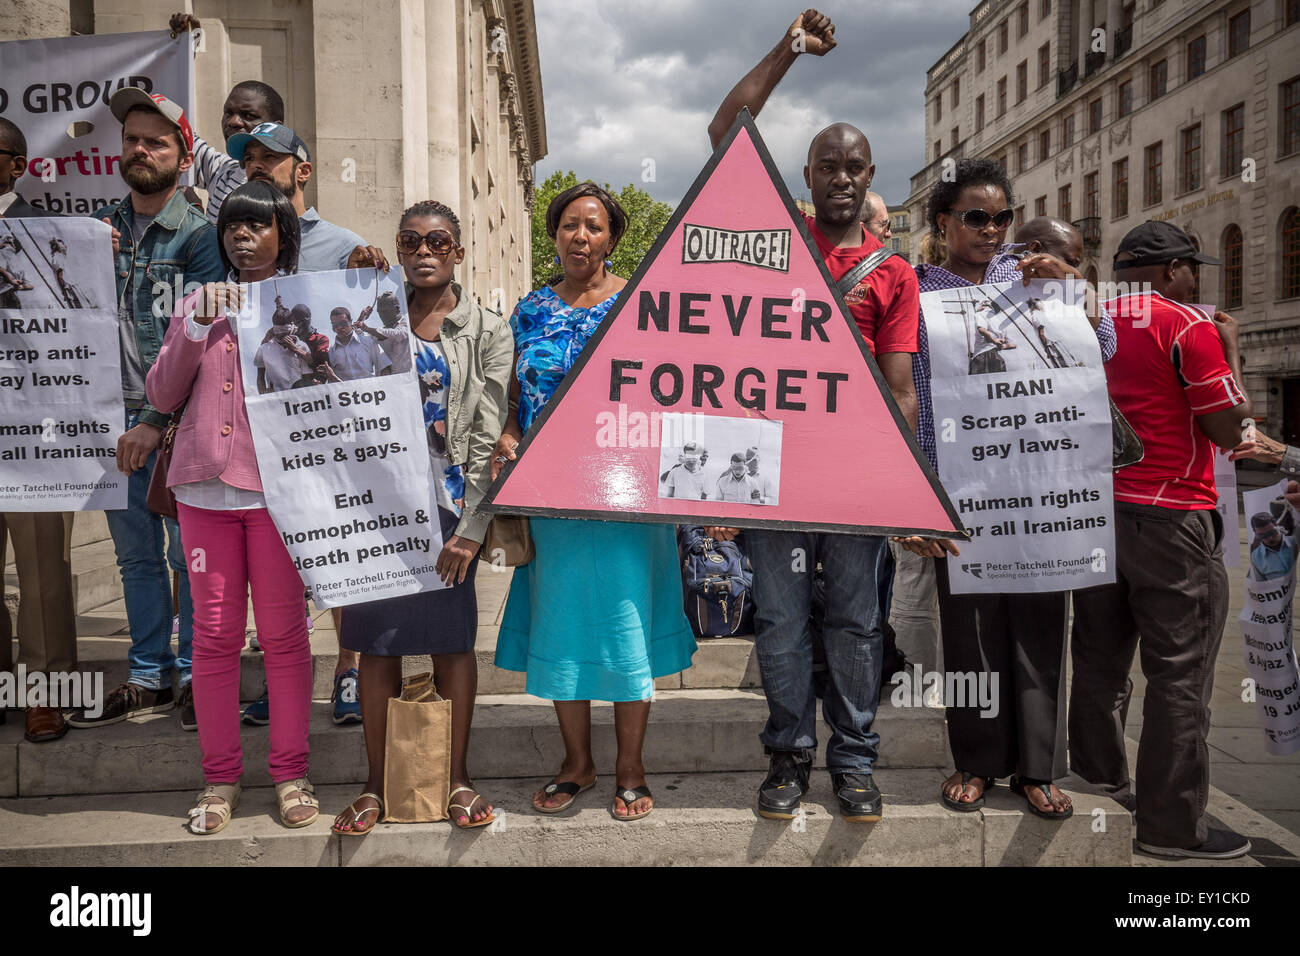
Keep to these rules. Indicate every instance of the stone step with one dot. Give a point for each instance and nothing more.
(699, 819)
(95, 578)
(514, 736)
(87, 528)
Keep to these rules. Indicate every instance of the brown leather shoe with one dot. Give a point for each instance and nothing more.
(45, 723)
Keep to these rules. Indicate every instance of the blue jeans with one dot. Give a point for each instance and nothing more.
(146, 584)
(783, 563)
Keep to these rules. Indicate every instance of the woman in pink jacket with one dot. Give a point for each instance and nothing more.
(230, 542)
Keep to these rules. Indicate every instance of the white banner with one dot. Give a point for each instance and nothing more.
(1266, 616)
(57, 91)
(61, 407)
(1023, 433)
(1225, 482)
(345, 464)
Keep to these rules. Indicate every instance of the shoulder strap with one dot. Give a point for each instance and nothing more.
(863, 269)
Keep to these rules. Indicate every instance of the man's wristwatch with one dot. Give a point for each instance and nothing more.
(1290, 466)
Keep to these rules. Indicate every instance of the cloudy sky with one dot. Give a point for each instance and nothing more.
(629, 80)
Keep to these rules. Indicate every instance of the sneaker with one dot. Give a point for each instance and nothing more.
(1219, 845)
(347, 701)
(858, 796)
(258, 713)
(185, 701)
(126, 700)
(786, 783)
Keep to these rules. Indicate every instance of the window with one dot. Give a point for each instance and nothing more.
(938, 107)
(1239, 33)
(1040, 206)
(1090, 199)
(954, 137)
(1232, 273)
(1022, 27)
(1292, 12)
(1063, 202)
(1045, 9)
(1094, 115)
(1119, 189)
(1020, 214)
(1002, 36)
(1291, 253)
(979, 57)
(979, 112)
(1124, 99)
(1002, 161)
(1190, 174)
(1022, 157)
(1002, 96)
(1044, 144)
(956, 92)
(1044, 64)
(1067, 132)
(938, 150)
(1151, 175)
(1234, 138)
(1196, 57)
(1158, 79)
(1022, 81)
(1290, 109)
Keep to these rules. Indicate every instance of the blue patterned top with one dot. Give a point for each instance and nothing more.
(435, 378)
(549, 336)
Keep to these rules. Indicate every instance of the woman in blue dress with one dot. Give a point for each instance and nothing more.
(597, 614)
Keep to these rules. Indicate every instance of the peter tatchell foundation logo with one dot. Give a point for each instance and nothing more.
(76, 909)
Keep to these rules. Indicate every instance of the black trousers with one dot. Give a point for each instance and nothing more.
(1169, 603)
(1019, 640)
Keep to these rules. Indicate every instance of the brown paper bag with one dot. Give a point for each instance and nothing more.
(417, 754)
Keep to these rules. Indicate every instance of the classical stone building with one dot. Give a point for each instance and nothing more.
(398, 100)
(1108, 113)
(900, 228)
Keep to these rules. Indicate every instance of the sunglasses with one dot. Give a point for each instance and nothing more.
(440, 242)
(978, 218)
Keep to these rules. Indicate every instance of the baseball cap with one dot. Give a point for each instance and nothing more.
(276, 137)
(129, 97)
(691, 448)
(1155, 243)
(737, 456)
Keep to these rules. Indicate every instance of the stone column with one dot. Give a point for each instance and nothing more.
(1114, 16)
(35, 19)
(1084, 37)
(444, 98)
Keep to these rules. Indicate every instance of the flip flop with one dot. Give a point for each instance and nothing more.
(629, 796)
(569, 788)
(977, 803)
(470, 823)
(357, 815)
(1021, 787)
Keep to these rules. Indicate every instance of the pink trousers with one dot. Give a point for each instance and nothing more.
(227, 553)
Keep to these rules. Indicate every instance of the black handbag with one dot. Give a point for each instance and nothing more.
(1126, 445)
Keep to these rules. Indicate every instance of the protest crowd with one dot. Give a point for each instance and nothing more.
(1172, 372)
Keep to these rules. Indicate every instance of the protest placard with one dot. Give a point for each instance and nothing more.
(61, 409)
(1023, 435)
(1225, 481)
(57, 91)
(341, 447)
(1266, 615)
(728, 385)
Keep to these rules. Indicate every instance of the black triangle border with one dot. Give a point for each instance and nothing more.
(746, 122)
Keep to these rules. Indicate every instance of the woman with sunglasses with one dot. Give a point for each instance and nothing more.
(224, 520)
(462, 354)
(1019, 637)
(597, 614)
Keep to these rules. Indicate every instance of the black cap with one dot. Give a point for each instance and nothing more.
(1155, 243)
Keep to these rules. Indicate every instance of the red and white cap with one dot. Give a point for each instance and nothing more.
(129, 97)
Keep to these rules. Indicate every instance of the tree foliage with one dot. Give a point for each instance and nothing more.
(646, 218)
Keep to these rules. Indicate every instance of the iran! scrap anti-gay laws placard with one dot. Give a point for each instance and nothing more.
(729, 385)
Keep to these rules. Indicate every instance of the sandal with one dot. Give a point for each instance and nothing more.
(470, 823)
(629, 796)
(296, 793)
(568, 789)
(977, 803)
(217, 799)
(1021, 787)
(355, 828)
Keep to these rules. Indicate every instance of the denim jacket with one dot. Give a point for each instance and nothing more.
(176, 253)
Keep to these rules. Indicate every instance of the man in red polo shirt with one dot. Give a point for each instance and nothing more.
(886, 307)
(1175, 377)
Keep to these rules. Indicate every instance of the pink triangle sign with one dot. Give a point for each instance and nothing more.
(728, 385)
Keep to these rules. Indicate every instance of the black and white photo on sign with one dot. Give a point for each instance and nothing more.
(1009, 331)
(41, 266)
(344, 336)
(711, 458)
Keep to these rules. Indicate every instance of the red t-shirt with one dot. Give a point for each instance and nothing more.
(886, 304)
(1168, 368)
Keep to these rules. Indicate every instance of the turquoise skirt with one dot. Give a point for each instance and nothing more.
(597, 615)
